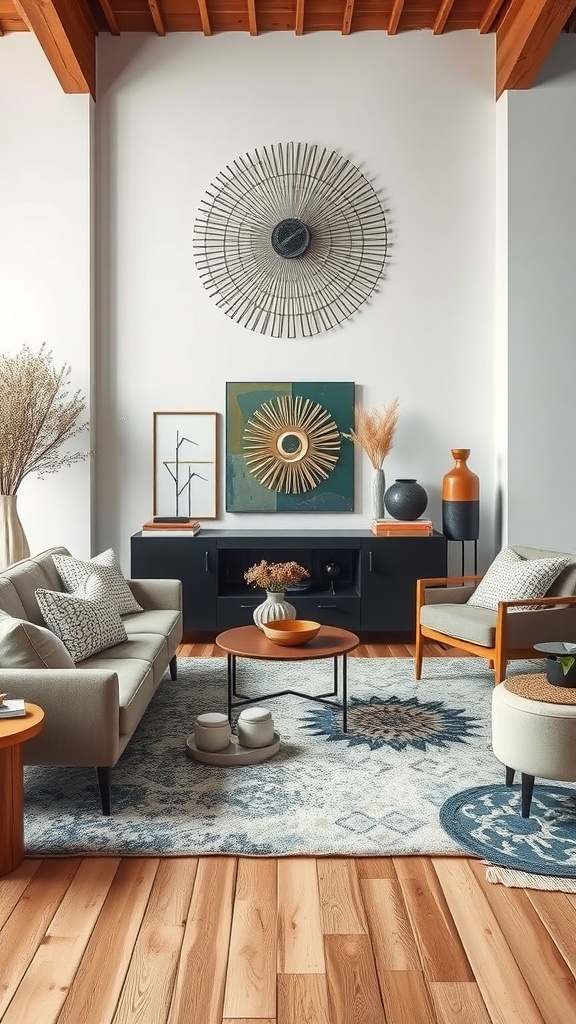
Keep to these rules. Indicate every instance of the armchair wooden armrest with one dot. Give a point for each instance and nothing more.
(440, 581)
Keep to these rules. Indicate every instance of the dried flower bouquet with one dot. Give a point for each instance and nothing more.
(37, 416)
(275, 576)
(374, 431)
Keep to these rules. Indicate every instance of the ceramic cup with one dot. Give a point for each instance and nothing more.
(255, 727)
(212, 732)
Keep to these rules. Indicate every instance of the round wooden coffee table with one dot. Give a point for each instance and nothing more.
(13, 734)
(250, 642)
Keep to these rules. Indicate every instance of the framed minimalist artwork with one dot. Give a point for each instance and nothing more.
(184, 464)
(284, 450)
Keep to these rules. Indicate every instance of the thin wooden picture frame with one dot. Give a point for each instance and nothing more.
(184, 464)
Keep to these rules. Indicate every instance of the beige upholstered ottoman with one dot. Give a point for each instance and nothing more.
(534, 731)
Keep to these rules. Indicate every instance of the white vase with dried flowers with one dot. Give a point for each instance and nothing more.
(38, 414)
(374, 432)
(274, 577)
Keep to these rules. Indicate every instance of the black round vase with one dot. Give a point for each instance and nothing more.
(405, 499)
(555, 673)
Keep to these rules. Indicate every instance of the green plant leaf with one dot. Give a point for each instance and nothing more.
(566, 663)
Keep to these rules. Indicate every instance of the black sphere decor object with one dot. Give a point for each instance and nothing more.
(405, 499)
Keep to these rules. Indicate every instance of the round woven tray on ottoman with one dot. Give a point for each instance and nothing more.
(537, 687)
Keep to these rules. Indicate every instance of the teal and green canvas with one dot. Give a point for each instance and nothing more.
(244, 493)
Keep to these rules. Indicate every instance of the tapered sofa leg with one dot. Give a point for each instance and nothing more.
(173, 667)
(105, 787)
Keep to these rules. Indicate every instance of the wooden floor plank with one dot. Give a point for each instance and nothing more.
(38, 1000)
(557, 911)
(406, 998)
(441, 951)
(300, 936)
(522, 929)
(390, 931)
(340, 898)
(353, 990)
(303, 999)
(458, 1002)
(147, 991)
(28, 923)
(502, 986)
(199, 987)
(13, 888)
(251, 975)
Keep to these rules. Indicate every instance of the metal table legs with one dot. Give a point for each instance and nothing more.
(322, 698)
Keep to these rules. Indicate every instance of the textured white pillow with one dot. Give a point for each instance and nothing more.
(74, 572)
(510, 578)
(86, 621)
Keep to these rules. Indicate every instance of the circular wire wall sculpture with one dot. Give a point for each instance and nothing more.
(290, 240)
(291, 444)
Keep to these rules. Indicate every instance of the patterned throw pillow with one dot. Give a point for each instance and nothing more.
(73, 572)
(86, 621)
(511, 578)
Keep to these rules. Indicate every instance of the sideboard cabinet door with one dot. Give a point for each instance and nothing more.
(189, 559)
(390, 568)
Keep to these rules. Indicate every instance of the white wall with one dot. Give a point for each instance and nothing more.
(541, 284)
(417, 113)
(45, 266)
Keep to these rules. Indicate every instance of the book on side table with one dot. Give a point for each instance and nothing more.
(171, 527)
(12, 708)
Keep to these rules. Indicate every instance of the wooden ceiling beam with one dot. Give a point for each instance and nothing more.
(110, 16)
(204, 18)
(347, 20)
(489, 16)
(67, 39)
(252, 22)
(299, 23)
(157, 18)
(395, 14)
(528, 32)
(442, 16)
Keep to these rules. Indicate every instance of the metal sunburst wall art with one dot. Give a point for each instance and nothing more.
(290, 240)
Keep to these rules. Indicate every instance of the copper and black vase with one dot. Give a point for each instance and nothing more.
(461, 499)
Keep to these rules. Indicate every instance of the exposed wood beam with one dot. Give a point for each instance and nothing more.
(156, 13)
(395, 13)
(299, 25)
(528, 32)
(110, 17)
(204, 19)
(442, 16)
(252, 23)
(347, 20)
(489, 16)
(67, 40)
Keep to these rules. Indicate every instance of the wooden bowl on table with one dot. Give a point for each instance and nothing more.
(291, 632)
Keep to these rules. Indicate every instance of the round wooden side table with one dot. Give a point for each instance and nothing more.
(13, 734)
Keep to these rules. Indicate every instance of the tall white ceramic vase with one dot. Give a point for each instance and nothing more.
(13, 543)
(274, 607)
(378, 491)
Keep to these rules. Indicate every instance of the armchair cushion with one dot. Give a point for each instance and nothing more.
(511, 577)
(476, 625)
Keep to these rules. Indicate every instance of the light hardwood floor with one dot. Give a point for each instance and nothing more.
(225, 940)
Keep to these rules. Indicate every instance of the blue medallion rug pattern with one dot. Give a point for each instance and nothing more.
(487, 821)
(376, 790)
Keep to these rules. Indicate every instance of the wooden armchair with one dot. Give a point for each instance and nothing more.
(443, 615)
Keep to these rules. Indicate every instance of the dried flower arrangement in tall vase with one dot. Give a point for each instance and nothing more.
(38, 415)
(374, 433)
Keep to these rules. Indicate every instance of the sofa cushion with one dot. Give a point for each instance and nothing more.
(25, 645)
(135, 686)
(511, 578)
(85, 621)
(33, 574)
(74, 572)
(150, 647)
(166, 623)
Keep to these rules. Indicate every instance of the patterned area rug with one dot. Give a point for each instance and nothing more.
(487, 821)
(377, 790)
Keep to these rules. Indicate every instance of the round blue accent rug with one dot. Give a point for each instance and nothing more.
(487, 821)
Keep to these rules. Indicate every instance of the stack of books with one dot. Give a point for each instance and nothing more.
(402, 527)
(12, 708)
(171, 526)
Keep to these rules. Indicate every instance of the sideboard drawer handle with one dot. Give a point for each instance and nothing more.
(247, 605)
(370, 565)
(326, 605)
(206, 561)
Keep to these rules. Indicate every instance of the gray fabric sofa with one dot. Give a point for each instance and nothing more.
(92, 709)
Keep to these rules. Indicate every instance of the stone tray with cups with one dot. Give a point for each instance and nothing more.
(213, 741)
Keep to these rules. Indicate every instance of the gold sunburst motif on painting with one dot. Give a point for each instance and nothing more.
(291, 444)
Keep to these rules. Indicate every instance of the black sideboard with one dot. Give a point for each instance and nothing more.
(370, 585)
